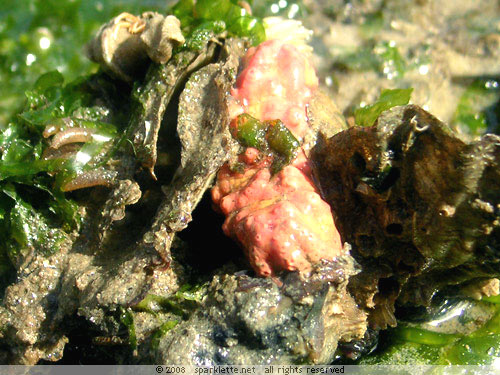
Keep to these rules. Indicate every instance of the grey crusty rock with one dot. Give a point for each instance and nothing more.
(248, 320)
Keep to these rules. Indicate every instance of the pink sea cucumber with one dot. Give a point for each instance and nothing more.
(280, 220)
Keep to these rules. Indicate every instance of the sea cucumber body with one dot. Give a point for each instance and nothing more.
(280, 220)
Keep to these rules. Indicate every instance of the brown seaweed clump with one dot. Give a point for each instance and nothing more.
(420, 207)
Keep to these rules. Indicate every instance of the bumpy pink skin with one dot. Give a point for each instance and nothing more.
(277, 83)
(281, 221)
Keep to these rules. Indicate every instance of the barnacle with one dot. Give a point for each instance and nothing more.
(124, 45)
(279, 218)
(133, 24)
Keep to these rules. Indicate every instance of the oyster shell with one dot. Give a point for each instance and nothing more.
(419, 206)
(203, 128)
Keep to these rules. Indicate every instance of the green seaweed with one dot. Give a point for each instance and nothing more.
(382, 57)
(492, 299)
(422, 336)
(406, 353)
(160, 332)
(416, 345)
(250, 132)
(206, 19)
(372, 25)
(203, 33)
(281, 140)
(127, 319)
(154, 304)
(248, 26)
(182, 303)
(282, 143)
(391, 63)
(27, 227)
(36, 215)
(271, 137)
(478, 110)
(483, 350)
(367, 116)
